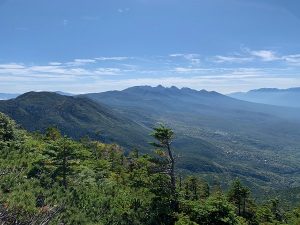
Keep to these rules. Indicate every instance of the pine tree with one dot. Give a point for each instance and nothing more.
(164, 137)
(64, 157)
(195, 189)
(238, 194)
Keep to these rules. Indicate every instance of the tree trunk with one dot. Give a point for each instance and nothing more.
(172, 167)
(175, 205)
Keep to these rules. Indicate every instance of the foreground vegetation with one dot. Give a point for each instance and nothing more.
(51, 179)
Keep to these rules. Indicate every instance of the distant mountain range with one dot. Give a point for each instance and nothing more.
(272, 96)
(215, 134)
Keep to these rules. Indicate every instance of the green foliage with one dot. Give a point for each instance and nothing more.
(271, 212)
(215, 210)
(60, 159)
(238, 195)
(184, 220)
(195, 189)
(6, 128)
(52, 179)
(163, 135)
(52, 133)
(294, 217)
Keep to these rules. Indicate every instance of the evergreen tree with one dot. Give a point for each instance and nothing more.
(58, 161)
(164, 137)
(195, 189)
(238, 194)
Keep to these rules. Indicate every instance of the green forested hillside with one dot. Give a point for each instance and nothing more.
(52, 179)
(76, 117)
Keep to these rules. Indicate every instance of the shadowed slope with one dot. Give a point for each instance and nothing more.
(76, 117)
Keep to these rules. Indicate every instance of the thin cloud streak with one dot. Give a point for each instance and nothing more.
(265, 55)
(231, 59)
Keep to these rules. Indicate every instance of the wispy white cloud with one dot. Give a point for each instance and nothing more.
(191, 57)
(80, 62)
(265, 55)
(11, 66)
(46, 69)
(55, 63)
(55, 70)
(292, 59)
(116, 58)
(108, 71)
(176, 55)
(231, 59)
(84, 60)
(189, 69)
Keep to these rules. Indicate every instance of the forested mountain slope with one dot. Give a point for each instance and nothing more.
(76, 117)
(217, 133)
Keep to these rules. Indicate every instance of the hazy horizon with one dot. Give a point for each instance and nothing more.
(121, 89)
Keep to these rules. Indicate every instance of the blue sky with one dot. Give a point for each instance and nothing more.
(98, 45)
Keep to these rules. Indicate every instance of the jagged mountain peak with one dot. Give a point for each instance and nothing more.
(168, 90)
